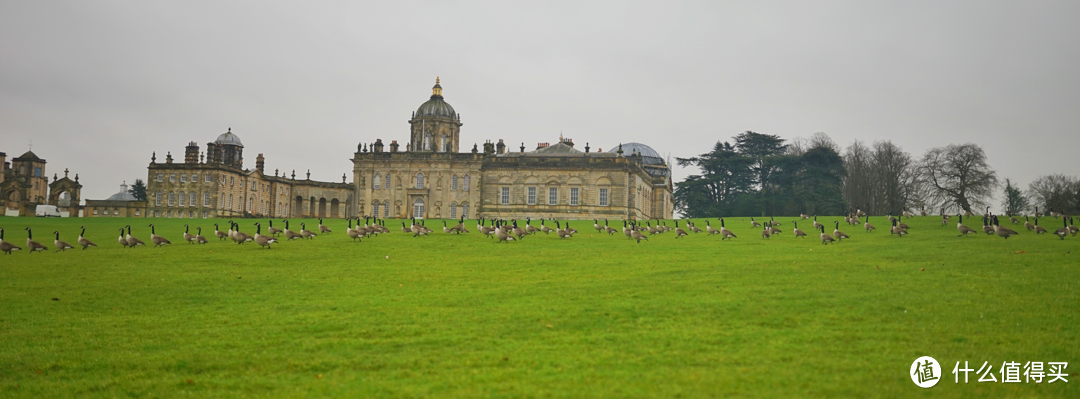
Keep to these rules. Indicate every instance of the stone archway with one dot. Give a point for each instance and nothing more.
(322, 207)
(334, 208)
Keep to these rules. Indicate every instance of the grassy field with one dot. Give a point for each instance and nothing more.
(592, 316)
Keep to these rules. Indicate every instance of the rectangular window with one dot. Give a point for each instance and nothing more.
(192, 201)
(95, 211)
(204, 214)
(206, 177)
(206, 199)
(377, 183)
(553, 195)
(386, 209)
(172, 199)
(183, 178)
(465, 211)
(182, 199)
(230, 202)
(453, 211)
(231, 181)
(573, 196)
(37, 172)
(157, 199)
(138, 212)
(116, 212)
(505, 197)
(157, 214)
(194, 178)
(172, 178)
(466, 188)
(603, 197)
(532, 196)
(160, 177)
(453, 183)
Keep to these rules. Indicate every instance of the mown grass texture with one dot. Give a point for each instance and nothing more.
(590, 316)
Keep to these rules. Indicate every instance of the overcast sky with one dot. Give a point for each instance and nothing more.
(98, 86)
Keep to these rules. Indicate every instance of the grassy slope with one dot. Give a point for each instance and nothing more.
(460, 316)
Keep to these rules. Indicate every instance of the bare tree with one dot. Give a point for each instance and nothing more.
(895, 176)
(1056, 192)
(858, 185)
(958, 176)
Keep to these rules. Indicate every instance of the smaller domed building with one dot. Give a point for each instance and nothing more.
(121, 204)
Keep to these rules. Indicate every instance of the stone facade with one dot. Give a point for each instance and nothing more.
(433, 180)
(215, 184)
(24, 185)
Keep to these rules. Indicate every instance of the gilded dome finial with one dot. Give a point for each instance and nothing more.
(437, 90)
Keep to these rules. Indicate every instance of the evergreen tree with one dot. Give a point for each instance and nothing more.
(1015, 200)
(138, 189)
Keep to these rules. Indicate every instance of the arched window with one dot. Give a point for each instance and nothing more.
(442, 144)
(453, 183)
(375, 208)
(418, 208)
(157, 198)
(419, 180)
(386, 209)
(466, 186)
(465, 210)
(378, 180)
(387, 185)
(251, 205)
(453, 210)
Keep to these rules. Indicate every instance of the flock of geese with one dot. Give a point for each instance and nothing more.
(508, 230)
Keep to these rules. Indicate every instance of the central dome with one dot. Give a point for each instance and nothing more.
(228, 138)
(436, 106)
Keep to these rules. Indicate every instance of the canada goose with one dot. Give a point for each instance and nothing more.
(502, 236)
(652, 230)
(724, 232)
(32, 245)
(636, 235)
(5, 246)
(753, 223)
(1037, 213)
(1038, 229)
(239, 236)
(907, 214)
(1028, 225)
(187, 236)
(562, 232)
(610, 230)
(156, 239)
(900, 232)
(405, 229)
(765, 232)
(628, 229)
(263, 241)
(418, 230)
(596, 225)
(479, 224)
(199, 237)
(274, 231)
(447, 230)
(840, 236)
(490, 231)
(132, 240)
(354, 234)
(798, 233)
(1072, 227)
(923, 212)
(804, 216)
(816, 224)
(289, 234)
(529, 228)
(988, 214)
(1002, 231)
(869, 227)
(1054, 214)
(83, 242)
(323, 229)
(1013, 220)
(693, 227)
(461, 226)
(218, 233)
(964, 230)
(825, 238)
(1064, 231)
(679, 232)
(710, 229)
(122, 240)
(60, 245)
(987, 227)
(304, 232)
(901, 224)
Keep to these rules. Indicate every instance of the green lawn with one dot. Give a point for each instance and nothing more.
(592, 316)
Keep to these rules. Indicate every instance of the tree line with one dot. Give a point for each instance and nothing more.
(761, 174)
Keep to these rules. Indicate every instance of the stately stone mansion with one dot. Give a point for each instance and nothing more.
(431, 178)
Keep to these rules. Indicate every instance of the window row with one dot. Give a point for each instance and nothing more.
(181, 199)
(180, 214)
(603, 197)
(183, 178)
(115, 211)
(381, 182)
